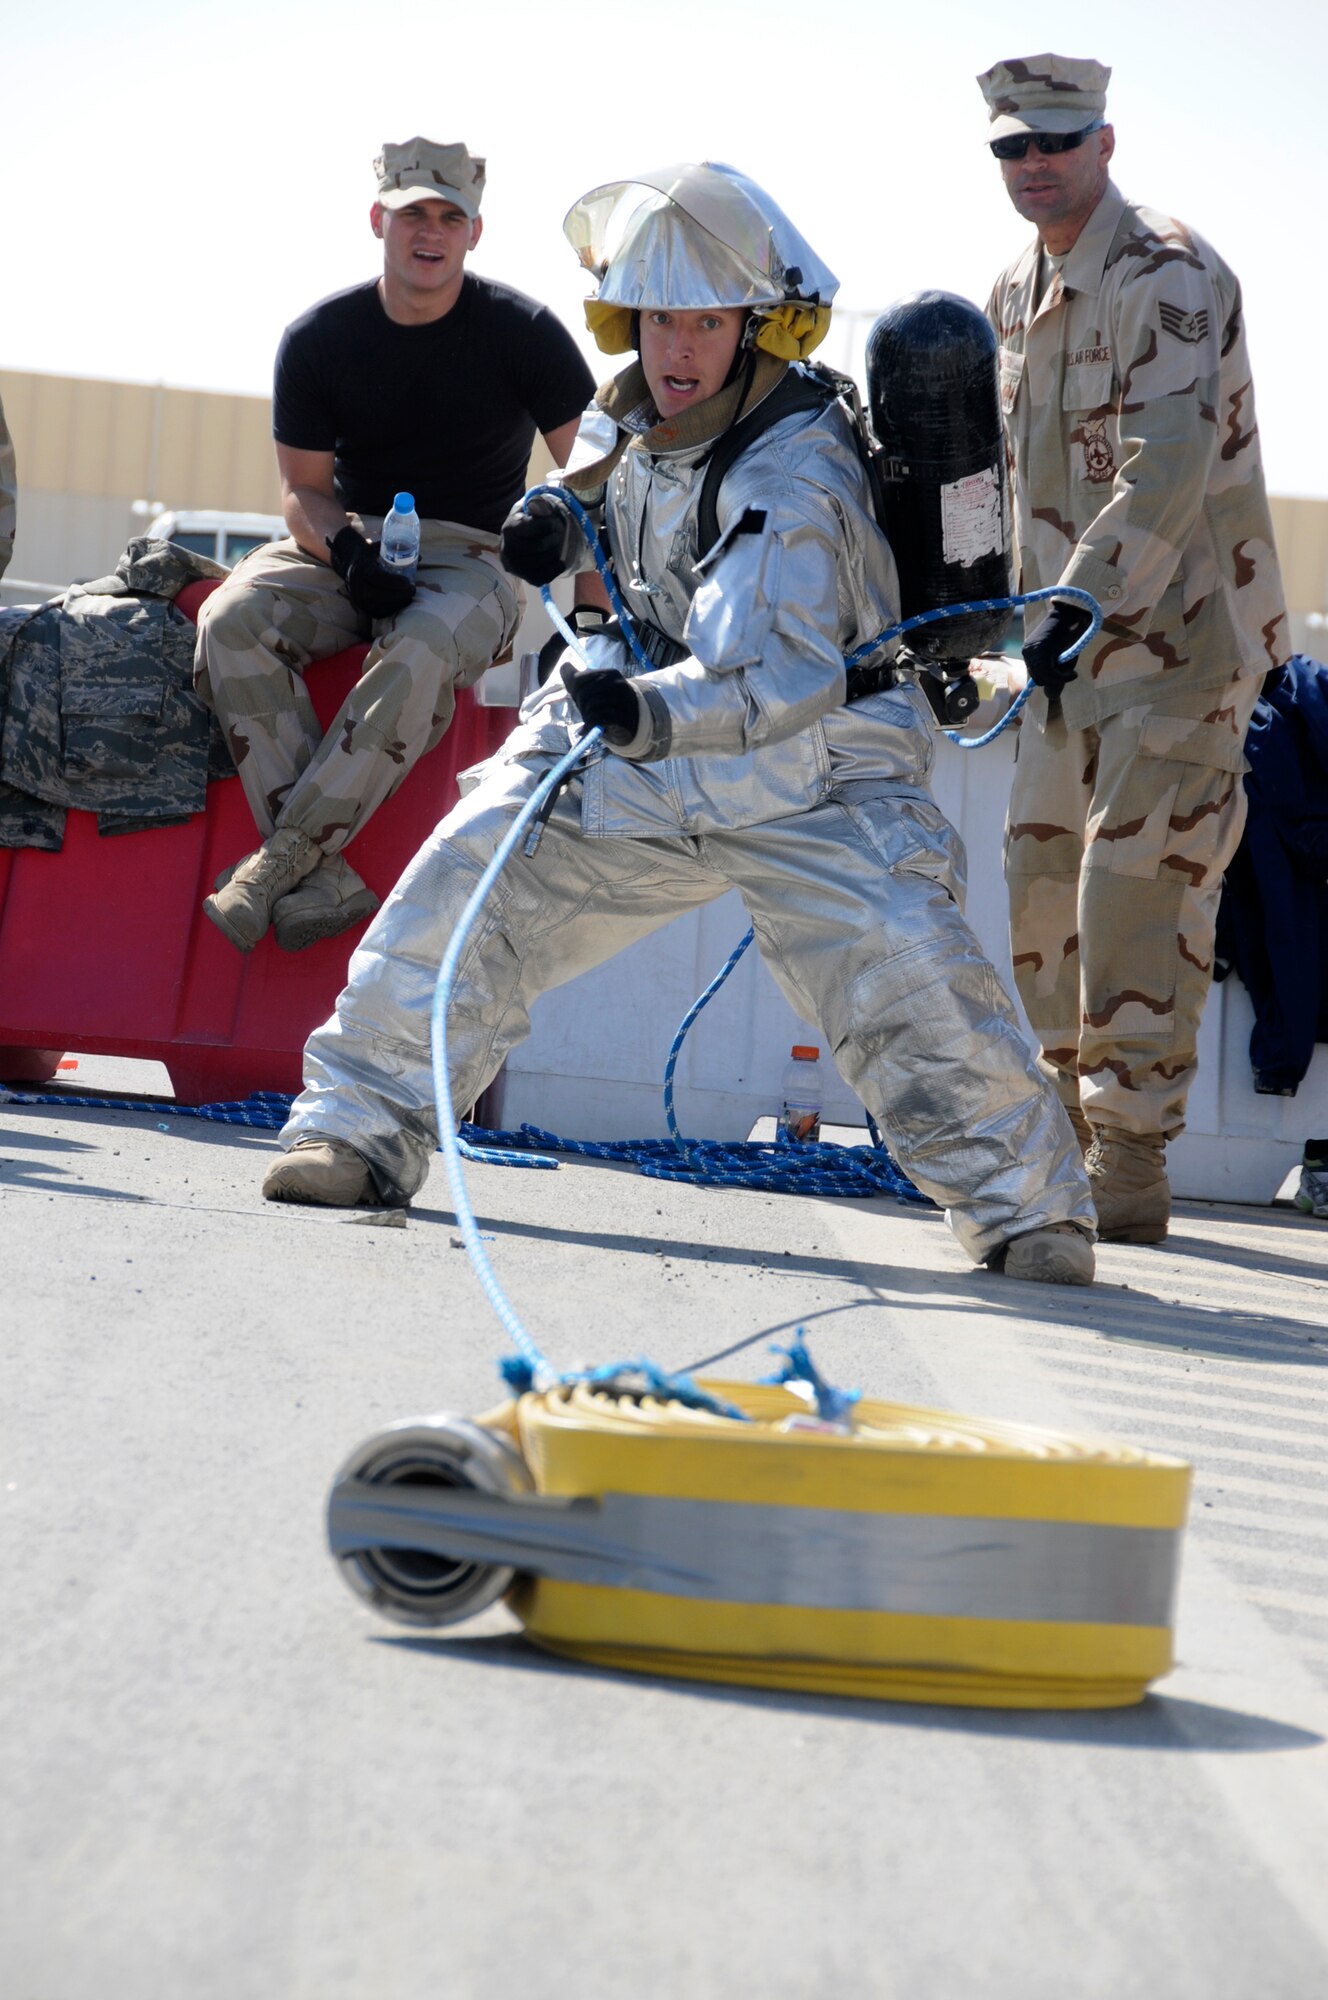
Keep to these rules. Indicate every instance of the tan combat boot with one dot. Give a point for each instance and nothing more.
(1127, 1173)
(1060, 1253)
(329, 900)
(327, 1173)
(242, 902)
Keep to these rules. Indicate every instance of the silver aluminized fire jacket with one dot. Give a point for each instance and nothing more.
(819, 814)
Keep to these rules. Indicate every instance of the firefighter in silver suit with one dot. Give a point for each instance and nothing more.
(742, 755)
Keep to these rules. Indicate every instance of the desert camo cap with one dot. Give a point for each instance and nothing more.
(424, 170)
(1044, 94)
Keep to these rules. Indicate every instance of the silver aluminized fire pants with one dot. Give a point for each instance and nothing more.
(853, 916)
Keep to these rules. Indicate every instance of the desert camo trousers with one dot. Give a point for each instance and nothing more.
(280, 611)
(1116, 842)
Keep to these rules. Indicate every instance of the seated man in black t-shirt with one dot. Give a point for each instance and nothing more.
(429, 380)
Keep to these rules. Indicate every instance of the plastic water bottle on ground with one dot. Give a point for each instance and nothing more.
(801, 1098)
(399, 548)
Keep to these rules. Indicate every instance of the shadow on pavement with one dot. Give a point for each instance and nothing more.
(124, 1117)
(42, 1139)
(1117, 1310)
(1159, 1722)
(28, 1177)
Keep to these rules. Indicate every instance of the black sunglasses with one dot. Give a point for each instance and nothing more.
(1017, 144)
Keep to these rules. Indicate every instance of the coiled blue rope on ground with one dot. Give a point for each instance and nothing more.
(853, 1169)
(265, 1110)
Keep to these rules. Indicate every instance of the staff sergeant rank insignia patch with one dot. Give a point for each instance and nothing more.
(1188, 326)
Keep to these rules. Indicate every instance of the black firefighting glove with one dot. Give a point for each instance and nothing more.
(1063, 624)
(540, 544)
(373, 590)
(605, 699)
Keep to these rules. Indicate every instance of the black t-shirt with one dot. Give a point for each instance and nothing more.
(446, 411)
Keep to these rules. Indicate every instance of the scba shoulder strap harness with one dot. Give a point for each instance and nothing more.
(812, 388)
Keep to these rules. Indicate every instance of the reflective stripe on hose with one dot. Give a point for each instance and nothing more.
(923, 1565)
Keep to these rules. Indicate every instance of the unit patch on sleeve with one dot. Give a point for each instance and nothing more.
(1187, 326)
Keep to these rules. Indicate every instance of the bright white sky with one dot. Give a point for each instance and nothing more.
(184, 178)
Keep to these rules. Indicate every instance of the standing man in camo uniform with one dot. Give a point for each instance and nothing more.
(1135, 463)
(427, 379)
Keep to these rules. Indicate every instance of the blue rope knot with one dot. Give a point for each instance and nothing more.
(832, 1405)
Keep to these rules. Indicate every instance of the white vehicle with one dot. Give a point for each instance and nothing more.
(222, 536)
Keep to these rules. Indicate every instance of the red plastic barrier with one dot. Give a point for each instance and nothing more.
(104, 947)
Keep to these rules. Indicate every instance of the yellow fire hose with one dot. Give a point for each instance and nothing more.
(906, 1553)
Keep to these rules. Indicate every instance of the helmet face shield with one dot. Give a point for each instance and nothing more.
(690, 237)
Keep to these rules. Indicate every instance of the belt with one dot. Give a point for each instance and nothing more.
(869, 680)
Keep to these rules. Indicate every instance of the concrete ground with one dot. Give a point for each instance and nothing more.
(222, 1777)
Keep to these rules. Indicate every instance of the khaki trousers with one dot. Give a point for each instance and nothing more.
(1116, 842)
(280, 611)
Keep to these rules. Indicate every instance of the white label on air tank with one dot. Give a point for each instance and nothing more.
(971, 518)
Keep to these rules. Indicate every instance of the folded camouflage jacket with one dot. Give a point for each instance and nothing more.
(97, 707)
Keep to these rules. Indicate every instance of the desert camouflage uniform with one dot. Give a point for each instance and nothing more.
(282, 610)
(1134, 456)
(8, 492)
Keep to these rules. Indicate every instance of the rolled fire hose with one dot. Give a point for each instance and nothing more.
(903, 1553)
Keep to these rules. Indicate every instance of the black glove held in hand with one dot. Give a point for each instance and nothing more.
(605, 699)
(373, 590)
(534, 546)
(1060, 628)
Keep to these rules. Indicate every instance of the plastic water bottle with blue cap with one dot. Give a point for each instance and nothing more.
(399, 548)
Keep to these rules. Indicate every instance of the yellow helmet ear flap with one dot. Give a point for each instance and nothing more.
(611, 326)
(792, 331)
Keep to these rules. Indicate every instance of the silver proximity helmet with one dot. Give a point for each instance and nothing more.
(691, 237)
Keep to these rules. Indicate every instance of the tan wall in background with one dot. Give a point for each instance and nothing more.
(180, 447)
(1301, 531)
(86, 450)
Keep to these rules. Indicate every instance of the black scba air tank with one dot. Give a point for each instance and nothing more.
(935, 409)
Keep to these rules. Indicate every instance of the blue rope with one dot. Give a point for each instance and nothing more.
(266, 1110)
(675, 1050)
(531, 1366)
(856, 1169)
(781, 1168)
(787, 1167)
(542, 1372)
(981, 742)
(587, 527)
(1072, 652)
